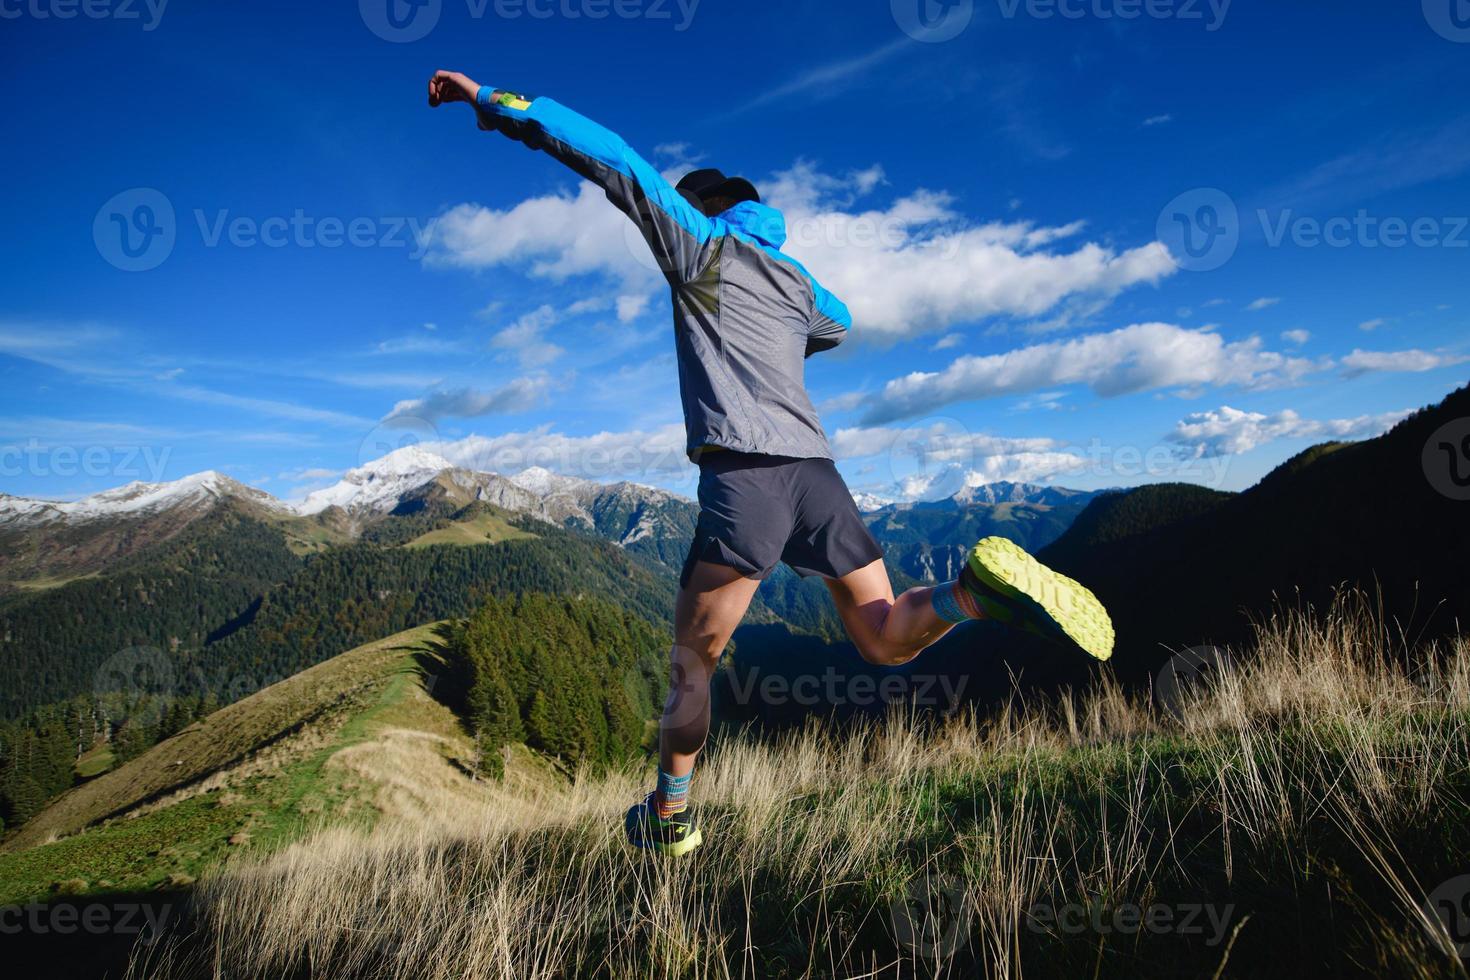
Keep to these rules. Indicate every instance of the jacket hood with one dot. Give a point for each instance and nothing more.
(760, 221)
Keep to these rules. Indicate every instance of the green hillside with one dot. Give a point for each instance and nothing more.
(1179, 566)
(528, 688)
(253, 775)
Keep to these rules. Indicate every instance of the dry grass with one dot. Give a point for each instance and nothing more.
(1305, 799)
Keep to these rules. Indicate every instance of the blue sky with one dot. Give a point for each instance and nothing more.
(1087, 249)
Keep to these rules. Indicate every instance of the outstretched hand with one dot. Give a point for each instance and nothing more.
(451, 86)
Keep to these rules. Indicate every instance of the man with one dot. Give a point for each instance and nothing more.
(745, 318)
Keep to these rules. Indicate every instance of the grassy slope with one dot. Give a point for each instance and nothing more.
(486, 528)
(251, 777)
(1310, 804)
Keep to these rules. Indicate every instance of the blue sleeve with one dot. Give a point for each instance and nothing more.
(679, 233)
(831, 321)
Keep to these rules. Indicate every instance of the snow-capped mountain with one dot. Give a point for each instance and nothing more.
(198, 492)
(926, 537)
(379, 486)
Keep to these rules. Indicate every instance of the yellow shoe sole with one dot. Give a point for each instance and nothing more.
(1006, 567)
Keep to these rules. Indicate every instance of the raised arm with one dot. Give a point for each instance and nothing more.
(679, 234)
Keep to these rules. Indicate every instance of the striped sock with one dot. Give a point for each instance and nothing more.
(953, 603)
(672, 794)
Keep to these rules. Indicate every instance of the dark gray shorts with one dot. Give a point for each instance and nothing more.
(756, 511)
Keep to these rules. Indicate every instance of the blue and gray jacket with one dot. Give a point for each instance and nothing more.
(745, 315)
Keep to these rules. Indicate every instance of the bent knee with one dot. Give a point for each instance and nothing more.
(881, 654)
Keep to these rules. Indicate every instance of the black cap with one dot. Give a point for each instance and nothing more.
(709, 182)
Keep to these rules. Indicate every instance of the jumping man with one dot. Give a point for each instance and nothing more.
(746, 316)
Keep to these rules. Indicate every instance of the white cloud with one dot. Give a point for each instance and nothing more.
(1158, 120)
(1135, 358)
(948, 340)
(918, 267)
(911, 268)
(416, 344)
(1264, 303)
(1371, 325)
(517, 396)
(1363, 361)
(637, 455)
(938, 459)
(828, 77)
(631, 307)
(1228, 431)
(523, 339)
(1296, 337)
(552, 237)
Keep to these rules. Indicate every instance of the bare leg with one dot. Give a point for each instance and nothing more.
(705, 615)
(888, 631)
